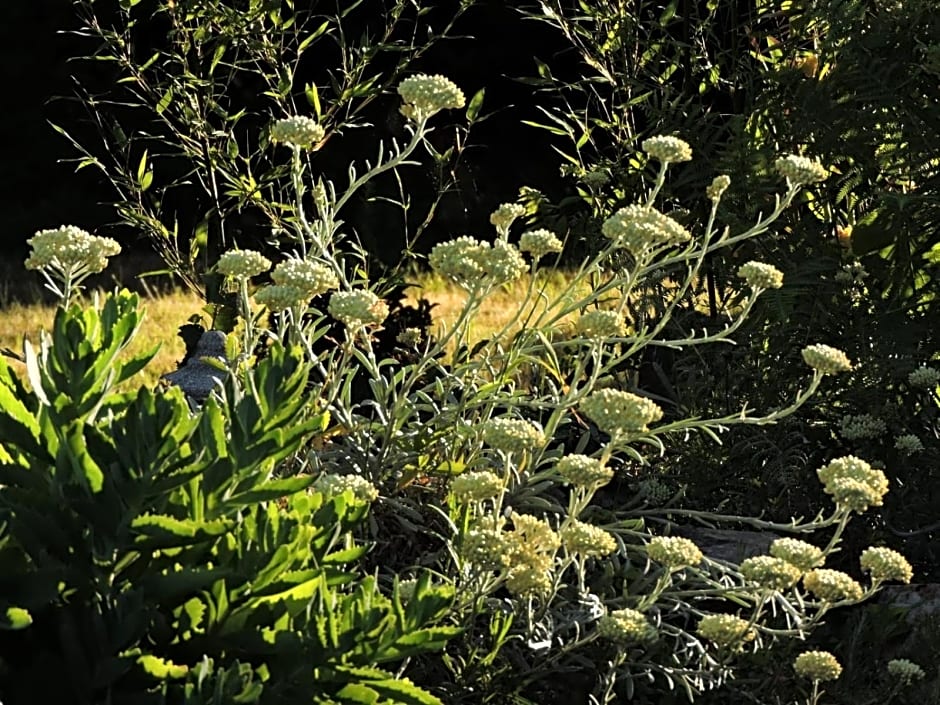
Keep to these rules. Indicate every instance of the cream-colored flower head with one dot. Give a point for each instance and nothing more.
(587, 539)
(674, 552)
(885, 564)
(804, 556)
(539, 243)
(583, 471)
(358, 308)
(410, 337)
(298, 131)
(770, 572)
(312, 278)
(626, 626)
(924, 377)
(485, 547)
(908, 444)
(800, 171)
(725, 629)
(459, 260)
(530, 553)
(476, 486)
(718, 186)
(598, 324)
(242, 264)
(826, 359)
(512, 435)
(424, 95)
(615, 411)
(856, 427)
(639, 228)
(832, 585)
(332, 485)
(817, 666)
(504, 216)
(667, 149)
(70, 249)
(278, 297)
(528, 581)
(760, 275)
(503, 263)
(904, 671)
(472, 264)
(853, 483)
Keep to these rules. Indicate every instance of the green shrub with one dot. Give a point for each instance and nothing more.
(155, 554)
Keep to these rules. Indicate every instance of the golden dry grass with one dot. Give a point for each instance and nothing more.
(165, 312)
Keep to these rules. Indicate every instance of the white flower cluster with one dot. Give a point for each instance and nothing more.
(725, 629)
(512, 435)
(539, 243)
(856, 427)
(760, 275)
(242, 264)
(476, 486)
(906, 672)
(625, 626)
(924, 377)
(357, 308)
(804, 556)
(770, 572)
(472, 264)
(886, 564)
(278, 297)
(529, 551)
(587, 539)
(70, 249)
(309, 278)
(674, 552)
(615, 411)
(332, 485)
(817, 666)
(853, 483)
(667, 149)
(298, 131)
(800, 171)
(584, 471)
(639, 228)
(483, 545)
(832, 585)
(504, 216)
(409, 337)
(600, 325)
(826, 359)
(908, 444)
(718, 186)
(425, 95)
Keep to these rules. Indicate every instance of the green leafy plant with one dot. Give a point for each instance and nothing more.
(152, 552)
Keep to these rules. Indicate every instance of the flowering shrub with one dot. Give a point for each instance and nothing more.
(501, 466)
(528, 526)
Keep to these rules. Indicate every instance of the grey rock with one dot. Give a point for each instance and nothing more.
(728, 545)
(198, 378)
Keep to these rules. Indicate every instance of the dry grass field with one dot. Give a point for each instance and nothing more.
(165, 311)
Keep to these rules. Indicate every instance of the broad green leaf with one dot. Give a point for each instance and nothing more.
(476, 104)
(15, 618)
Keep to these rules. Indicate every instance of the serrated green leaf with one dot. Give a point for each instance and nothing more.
(162, 669)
